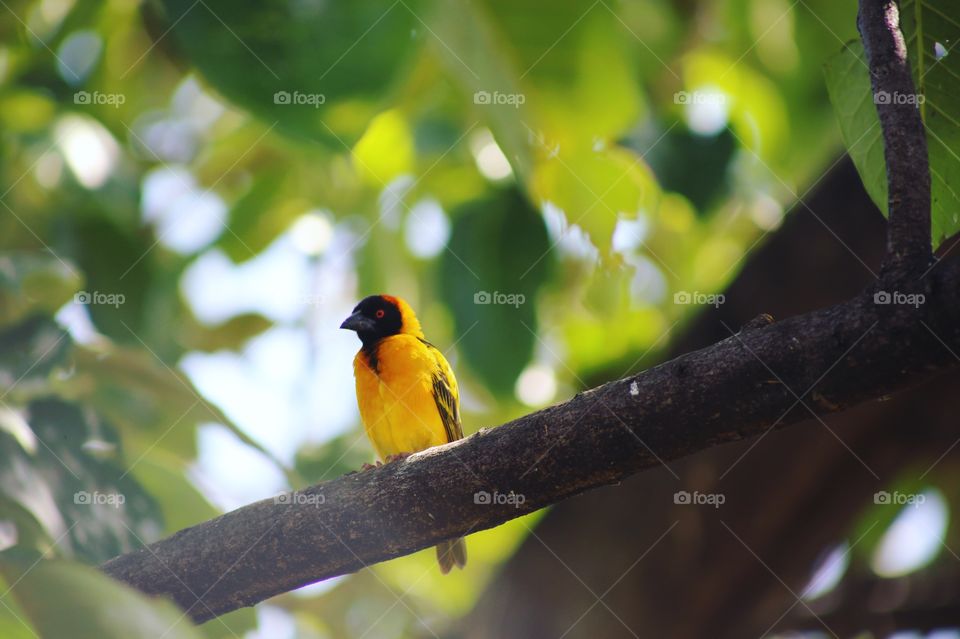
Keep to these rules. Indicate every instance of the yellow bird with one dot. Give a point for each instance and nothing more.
(406, 390)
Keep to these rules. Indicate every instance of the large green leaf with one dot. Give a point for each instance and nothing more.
(66, 599)
(498, 257)
(306, 66)
(931, 29)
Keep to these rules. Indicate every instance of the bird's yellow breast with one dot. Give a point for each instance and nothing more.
(395, 393)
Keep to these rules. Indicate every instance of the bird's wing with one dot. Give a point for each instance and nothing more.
(446, 395)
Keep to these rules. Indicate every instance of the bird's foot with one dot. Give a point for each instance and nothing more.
(397, 457)
(366, 467)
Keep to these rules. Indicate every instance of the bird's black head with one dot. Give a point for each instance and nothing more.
(374, 318)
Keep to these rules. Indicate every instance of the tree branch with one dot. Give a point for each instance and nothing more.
(905, 143)
(819, 363)
(764, 377)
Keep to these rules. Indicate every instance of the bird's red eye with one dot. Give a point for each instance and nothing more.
(380, 313)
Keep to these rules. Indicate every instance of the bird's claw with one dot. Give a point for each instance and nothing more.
(366, 467)
(397, 457)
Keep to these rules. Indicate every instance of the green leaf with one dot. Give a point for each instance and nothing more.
(13, 620)
(67, 599)
(257, 217)
(164, 476)
(305, 66)
(120, 273)
(32, 283)
(848, 83)
(332, 459)
(574, 71)
(232, 625)
(927, 24)
(594, 188)
(481, 63)
(498, 257)
(386, 149)
(560, 75)
(74, 484)
(228, 335)
(151, 404)
(29, 352)
(924, 24)
(156, 406)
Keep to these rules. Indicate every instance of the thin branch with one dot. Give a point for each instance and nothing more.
(905, 143)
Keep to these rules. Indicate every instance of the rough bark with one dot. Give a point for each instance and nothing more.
(904, 139)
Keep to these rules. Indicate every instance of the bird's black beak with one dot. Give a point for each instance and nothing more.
(358, 323)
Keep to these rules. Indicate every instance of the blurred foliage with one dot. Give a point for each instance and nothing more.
(500, 243)
(590, 159)
(66, 599)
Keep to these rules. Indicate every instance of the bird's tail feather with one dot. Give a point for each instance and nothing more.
(452, 553)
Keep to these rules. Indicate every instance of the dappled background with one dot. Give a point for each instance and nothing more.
(195, 193)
